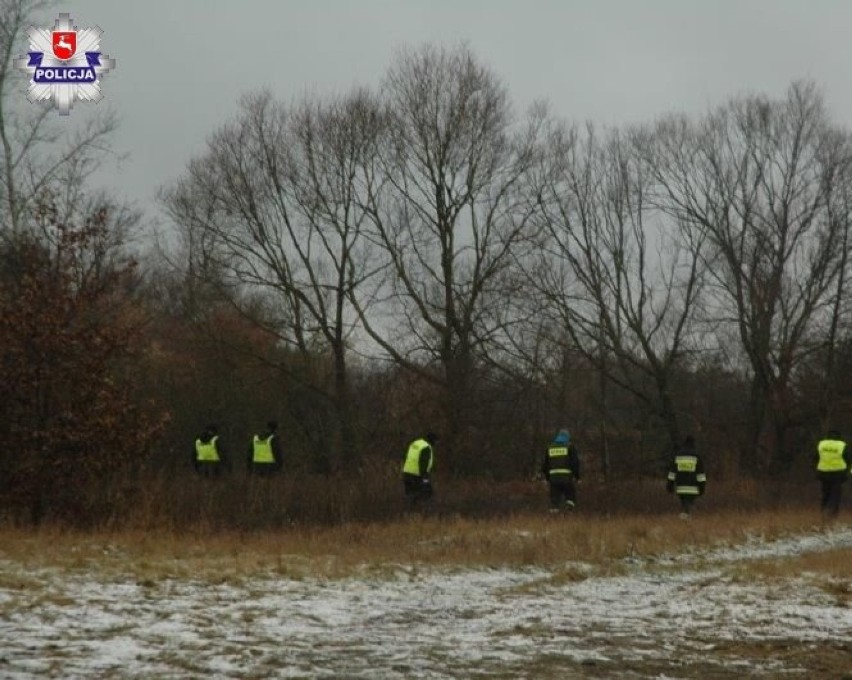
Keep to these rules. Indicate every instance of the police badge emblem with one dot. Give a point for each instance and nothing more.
(65, 64)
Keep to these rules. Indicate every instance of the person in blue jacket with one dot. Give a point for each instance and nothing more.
(561, 469)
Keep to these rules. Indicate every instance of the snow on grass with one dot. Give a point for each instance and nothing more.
(675, 617)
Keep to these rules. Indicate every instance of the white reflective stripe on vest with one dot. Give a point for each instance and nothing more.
(554, 454)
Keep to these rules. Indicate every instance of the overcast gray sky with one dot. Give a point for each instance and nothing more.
(183, 64)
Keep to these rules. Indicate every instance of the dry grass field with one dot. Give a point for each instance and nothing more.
(727, 595)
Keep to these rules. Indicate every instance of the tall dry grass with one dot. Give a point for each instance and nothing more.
(238, 502)
(311, 524)
(516, 540)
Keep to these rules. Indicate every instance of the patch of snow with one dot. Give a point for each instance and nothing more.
(424, 623)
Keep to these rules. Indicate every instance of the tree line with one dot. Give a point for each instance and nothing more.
(421, 255)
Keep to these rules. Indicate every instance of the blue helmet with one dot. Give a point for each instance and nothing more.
(562, 437)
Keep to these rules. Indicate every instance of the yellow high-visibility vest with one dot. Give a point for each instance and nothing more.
(831, 455)
(207, 452)
(262, 450)
(411, 465)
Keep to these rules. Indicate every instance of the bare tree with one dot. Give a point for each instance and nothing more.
(759, 177)
(620, 281)
(274, 205)
(42, 162)
(455, 205)
(837, 322)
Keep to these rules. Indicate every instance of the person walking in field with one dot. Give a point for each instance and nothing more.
(417, 470)
(561, 469)
(264, 454)
(208, 458)
(833, 465)
(686, 476)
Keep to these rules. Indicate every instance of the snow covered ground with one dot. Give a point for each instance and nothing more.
(683, 616)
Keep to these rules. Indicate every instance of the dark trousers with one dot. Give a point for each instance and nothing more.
(208, 469)
(686, 502)
(263, 469)
(832, 490)
(417, 490)
(563, 493)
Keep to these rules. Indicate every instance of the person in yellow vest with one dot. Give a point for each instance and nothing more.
(561, 469)
(264, 455)
(833, 465)
(208, 458)
(417, 470)
(686, 476)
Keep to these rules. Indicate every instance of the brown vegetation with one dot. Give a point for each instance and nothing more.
(517, 540)
(366, 268)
